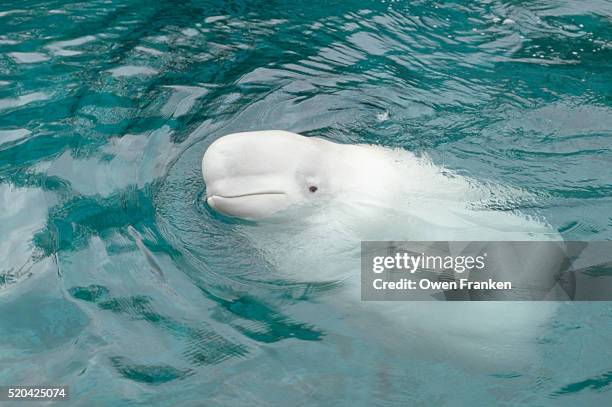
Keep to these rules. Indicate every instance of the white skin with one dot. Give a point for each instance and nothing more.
(253, 175)
(316, 200)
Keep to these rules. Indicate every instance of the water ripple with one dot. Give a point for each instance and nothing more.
(107, 107)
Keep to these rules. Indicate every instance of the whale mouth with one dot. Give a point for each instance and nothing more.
(251, 205)
(244, 195)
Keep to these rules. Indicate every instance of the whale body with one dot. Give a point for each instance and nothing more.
(314, 201)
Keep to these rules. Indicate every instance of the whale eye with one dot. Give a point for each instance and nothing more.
(312, 188)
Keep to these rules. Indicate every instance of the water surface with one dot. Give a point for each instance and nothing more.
(117, 280)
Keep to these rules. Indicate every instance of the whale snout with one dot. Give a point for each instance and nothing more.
(244, 195)
(251, 206)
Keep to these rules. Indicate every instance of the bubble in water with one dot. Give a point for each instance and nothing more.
(382, 116)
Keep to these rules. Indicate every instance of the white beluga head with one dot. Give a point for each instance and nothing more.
(256, 174)
(253, 175)
(389, 194)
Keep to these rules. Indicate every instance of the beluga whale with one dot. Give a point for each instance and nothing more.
(256, 174)
(313, 201)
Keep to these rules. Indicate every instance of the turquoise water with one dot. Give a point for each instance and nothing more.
(117, 280)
